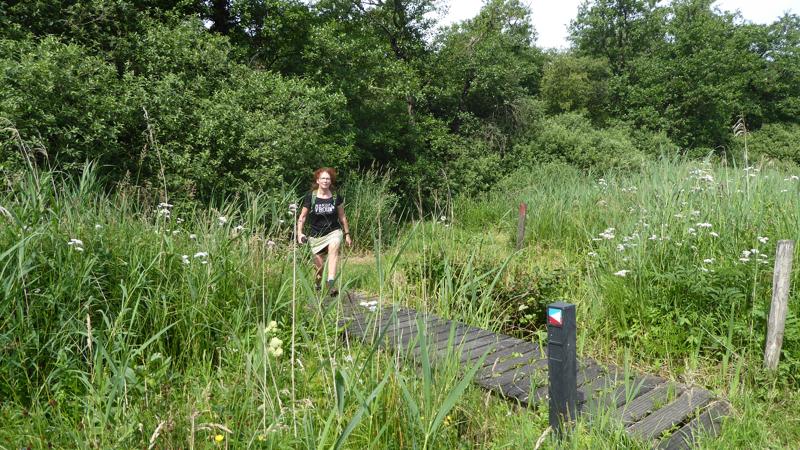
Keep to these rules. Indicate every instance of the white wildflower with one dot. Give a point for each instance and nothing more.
(97, 226)
(275, 342)
(714, 234)
(746, 253)
(238, 228)
(75, 243)
(164, 205)
(592, 254)
(175, 232)
(201, 255)
(708, 261)
(293, 208)
(691, 231)
(704, 225)
(522, 307)
(607, 234)
(185, 259)
(763, 239)
(192, 236)
(222, 220)
(348, 358)
(271, 327)
(620, 247)
(679, 216)
(622, 273)
(695, 213)
(744, 259)
(179, 220)
(703, 269)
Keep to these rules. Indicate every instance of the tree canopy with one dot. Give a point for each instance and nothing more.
(221, 96)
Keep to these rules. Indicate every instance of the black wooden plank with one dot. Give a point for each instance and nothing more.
(446, 347)
(643, 405)
(520, 348)
(403, 323)
(442, 336)
(626, 392)
(453, 332)
(471, 333)
(588, 371)
(380, 321)
(481, 344)
(394, 336)
(456, 329)
(605, 384)
(708, 422)
(520, 388)
(470, 339)
(518, 368)
(370, 327)
(401, 336)
(474, 353)
(673, 414)
(440, 326)
(536, 368)
(512, 361)
(474, 349)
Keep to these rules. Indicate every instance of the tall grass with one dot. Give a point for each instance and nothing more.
(127, 343)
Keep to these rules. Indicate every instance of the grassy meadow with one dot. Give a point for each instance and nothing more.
(129, 322)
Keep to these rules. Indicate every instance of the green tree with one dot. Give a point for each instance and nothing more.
(576, 83)
(484, 65)
(692, 84)
(618, 30)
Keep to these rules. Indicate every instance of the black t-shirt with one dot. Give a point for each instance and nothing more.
(323, 218)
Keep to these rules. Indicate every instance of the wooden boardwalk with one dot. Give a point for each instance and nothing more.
(668, 414)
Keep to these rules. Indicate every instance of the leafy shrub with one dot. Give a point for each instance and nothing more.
(776, 140)
(570, 138)
(182, 108)
(61, 98)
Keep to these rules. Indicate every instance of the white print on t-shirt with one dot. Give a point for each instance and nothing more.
(324, 208)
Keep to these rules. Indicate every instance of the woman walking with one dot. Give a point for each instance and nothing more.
(328, 224)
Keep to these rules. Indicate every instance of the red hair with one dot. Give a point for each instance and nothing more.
(331, 171)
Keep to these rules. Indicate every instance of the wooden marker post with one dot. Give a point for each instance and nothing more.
(562, 365)
(780, 303)
(523, 212)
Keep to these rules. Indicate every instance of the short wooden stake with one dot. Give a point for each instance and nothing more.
(523, 212)
(781, 280)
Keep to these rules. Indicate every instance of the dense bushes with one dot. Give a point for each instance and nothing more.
(62, 98)
(570, 138)
(181, 105)
(776, 141)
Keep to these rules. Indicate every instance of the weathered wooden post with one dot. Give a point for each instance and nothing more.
(523, 212)
(562, 364)
(781, 280)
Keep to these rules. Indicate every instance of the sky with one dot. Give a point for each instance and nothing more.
(551, 17)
